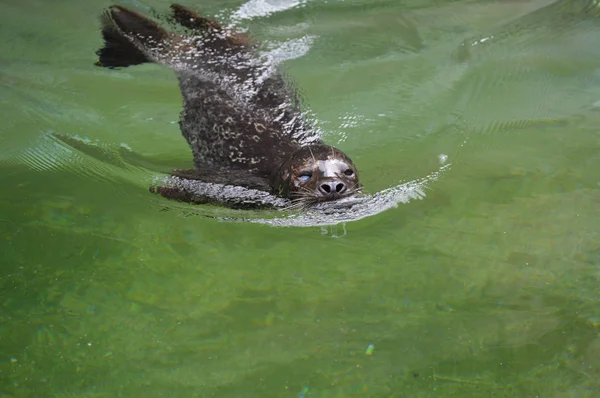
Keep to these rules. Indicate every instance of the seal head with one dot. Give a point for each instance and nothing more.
(316, 173)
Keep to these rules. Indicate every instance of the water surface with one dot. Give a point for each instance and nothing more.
(485, 286)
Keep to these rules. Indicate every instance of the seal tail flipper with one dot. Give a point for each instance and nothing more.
(132, 39)
(129, 38)
(192, 20)
(201, 25)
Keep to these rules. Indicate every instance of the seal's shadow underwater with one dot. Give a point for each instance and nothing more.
(241, 118)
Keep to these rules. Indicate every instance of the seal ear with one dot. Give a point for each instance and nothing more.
(125, 34)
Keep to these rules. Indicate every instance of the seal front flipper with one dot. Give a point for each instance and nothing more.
(241, 177)
(233, 189)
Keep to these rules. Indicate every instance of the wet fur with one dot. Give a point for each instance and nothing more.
(241, 120)
(305, 194)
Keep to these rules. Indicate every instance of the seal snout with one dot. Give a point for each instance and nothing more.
(332, 188)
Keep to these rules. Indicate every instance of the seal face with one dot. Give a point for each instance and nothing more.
(242, 120)
(317, 173)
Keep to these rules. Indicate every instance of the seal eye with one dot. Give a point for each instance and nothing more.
(304, 177)
(349, 172)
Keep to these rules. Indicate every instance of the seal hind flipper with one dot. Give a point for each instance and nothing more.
(126, 35)
(199, 24)
(209, 53)
(192, 20)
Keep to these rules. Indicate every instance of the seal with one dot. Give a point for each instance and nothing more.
(241, 118)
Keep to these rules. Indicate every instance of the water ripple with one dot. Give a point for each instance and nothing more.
(330, 213)
(79, 156)
(101, 162)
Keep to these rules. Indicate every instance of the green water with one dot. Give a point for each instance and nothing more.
(488, 286)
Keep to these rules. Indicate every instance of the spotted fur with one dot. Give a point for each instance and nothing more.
(239, 113)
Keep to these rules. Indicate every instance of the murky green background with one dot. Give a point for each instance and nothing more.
(487, 287)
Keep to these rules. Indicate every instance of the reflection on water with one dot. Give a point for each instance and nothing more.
(486, 285)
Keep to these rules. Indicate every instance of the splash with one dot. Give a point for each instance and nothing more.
(326, 214)
(262, 8)
(53, 152)
(354, 209)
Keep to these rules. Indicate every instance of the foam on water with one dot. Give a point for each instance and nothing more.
(354, 209)
(262, 8)
(329, 213)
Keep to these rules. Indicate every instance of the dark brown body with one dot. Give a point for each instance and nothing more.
(242, 120)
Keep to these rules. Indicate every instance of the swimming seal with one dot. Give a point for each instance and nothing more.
(240, 117)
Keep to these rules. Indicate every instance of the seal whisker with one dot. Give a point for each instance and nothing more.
(307, 191)
(311, 154)
(355, 188)
(304, 197)
(298, 204)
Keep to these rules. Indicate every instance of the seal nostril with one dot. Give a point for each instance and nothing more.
(339, 188)
(326, 188)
